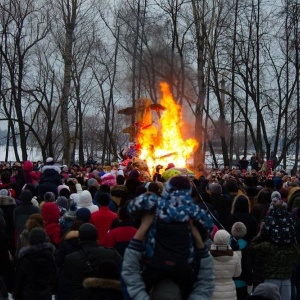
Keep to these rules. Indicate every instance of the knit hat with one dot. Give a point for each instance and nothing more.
(166, 289)
(222, 237)
(91, 182)
(60, 187)
(88, 232)
(215, 188)
(25, 196)
(177, 183)
(238, 230)
(275, 194)
(49, 197)
(3, 192)
(50, 161)
(37, 236)
(62, 202)
(267, 290)
(83, 214)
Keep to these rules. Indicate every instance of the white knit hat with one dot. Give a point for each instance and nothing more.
(221, 237)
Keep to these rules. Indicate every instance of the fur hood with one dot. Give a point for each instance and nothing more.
(72, 235)
(7, 200)
(101, 283)
(35, 248)
(118, 188)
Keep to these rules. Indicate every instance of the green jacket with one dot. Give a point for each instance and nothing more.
(278, 259)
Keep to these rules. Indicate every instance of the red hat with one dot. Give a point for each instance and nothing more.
(170, 166)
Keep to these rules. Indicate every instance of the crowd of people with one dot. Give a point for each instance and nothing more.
(95, 232)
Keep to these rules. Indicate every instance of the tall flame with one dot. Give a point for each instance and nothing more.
(165, 145)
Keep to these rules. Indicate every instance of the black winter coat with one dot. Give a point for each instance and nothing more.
(68, 245)
(35, 273)
(84, 263)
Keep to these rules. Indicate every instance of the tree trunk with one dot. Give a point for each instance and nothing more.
(64, 101)
(200, 40)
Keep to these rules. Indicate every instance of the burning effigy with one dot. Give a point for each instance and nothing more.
(158, 140)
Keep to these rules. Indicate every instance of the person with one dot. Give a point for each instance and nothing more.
(84, 263)
(35, 220)
(120, 236)
(173, 209)
(240, 212)
(69, 244)
(237, 243)
(105, 284)
(7, 206)
(227, 264)
(103, 218)
(243, 163)
(276, 242)
(6, 265)
(254, 162)
(202, 288)
(50, 179)
(36, 269)
(265, 291)
(51, 215)
(85, 200)
(22, 213)
(118, 190)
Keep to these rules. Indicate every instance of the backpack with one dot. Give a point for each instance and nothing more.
(172, 246)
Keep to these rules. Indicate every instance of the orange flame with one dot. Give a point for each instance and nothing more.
(165, 145)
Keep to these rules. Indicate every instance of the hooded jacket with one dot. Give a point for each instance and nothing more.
(51, 215)
(85, 200)
(35, 273)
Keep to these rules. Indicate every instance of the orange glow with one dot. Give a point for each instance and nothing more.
(165, 144)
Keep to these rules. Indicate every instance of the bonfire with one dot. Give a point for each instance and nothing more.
(164, 143)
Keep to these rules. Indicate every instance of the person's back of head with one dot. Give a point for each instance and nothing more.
(123, 213)
(83, 214)
(49, 197)
(37, 236)
(140, 190)
(26, 197)
(103, 199)
(5, 177)
(153, 187)
(92, 182)
(35, 220)
(105, 188)
(177, 183)
(265, 291)
(241, 204)
(120, 179)
(88, 233)
(264, 196)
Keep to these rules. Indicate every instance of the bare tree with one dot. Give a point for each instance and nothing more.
(23, 25)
